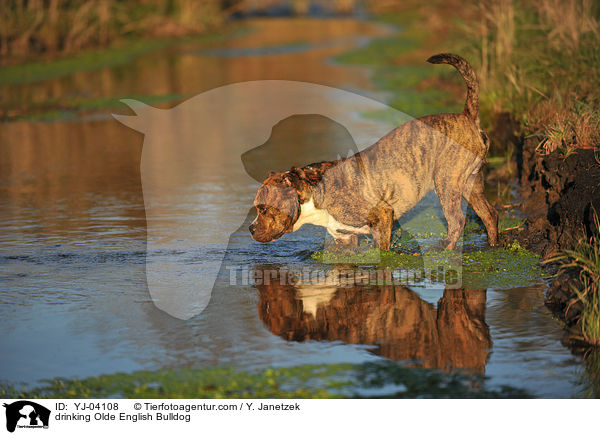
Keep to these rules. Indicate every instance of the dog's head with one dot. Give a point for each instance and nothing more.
(277, 208)
(280, 197)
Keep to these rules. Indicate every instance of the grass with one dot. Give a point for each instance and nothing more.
(385, 379)
(70, 108)
(58, 26)
(36, 71)
(584, 260)
(400, 69)
(97, 58)
(540, 60)
(507, 221)
(382, 51)
(537, 59)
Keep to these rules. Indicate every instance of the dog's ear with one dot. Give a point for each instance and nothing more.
(314, 172)
(299, 181)
(287, 179)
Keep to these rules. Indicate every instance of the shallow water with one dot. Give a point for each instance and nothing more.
(73, 293)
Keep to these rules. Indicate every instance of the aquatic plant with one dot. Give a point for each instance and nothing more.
(376, 379)
(506, 267)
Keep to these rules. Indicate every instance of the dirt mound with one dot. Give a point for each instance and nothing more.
(560, 194)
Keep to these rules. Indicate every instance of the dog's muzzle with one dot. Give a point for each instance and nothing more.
(252, 228)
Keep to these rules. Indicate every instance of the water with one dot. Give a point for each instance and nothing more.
(73, 294)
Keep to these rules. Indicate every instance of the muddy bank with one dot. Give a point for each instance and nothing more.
(559, 194)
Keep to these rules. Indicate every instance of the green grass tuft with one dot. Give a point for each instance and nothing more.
(584, 260)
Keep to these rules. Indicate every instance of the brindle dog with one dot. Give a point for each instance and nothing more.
(367, 192)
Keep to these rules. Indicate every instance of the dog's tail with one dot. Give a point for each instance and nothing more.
(463, 67)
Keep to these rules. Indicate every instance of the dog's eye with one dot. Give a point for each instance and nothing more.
(261, 210)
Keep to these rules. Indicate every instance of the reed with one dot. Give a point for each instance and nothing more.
(33, 27)
(540, 59)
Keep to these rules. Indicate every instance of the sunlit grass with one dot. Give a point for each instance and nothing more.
(50, 27)
(540, 60)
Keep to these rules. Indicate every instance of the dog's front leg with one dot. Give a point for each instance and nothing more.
(381, 221)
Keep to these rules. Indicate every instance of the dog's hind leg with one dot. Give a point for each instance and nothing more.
(381, 221)
(450, 199)
(482, 207)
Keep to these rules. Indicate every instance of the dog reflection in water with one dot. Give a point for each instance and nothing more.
(403, 326)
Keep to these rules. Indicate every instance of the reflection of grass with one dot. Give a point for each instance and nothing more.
(591, 382)
(71, 108)
(309, 381)
(90, 60)
(424, 383)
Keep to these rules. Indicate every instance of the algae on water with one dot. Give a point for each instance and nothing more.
(414, 253)
(375, 379)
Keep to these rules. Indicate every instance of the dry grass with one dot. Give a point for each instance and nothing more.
(497, 33)
(567, 20)
(539, 59)
(50, 26)
(565, 125)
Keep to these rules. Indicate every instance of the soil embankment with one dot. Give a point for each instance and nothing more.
(559, 195)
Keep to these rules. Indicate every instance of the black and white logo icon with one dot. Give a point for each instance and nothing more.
(26, 414)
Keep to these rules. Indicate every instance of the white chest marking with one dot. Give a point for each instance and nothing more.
(309, 214)
(313, 297)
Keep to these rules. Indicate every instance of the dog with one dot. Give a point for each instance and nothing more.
(367, 192)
